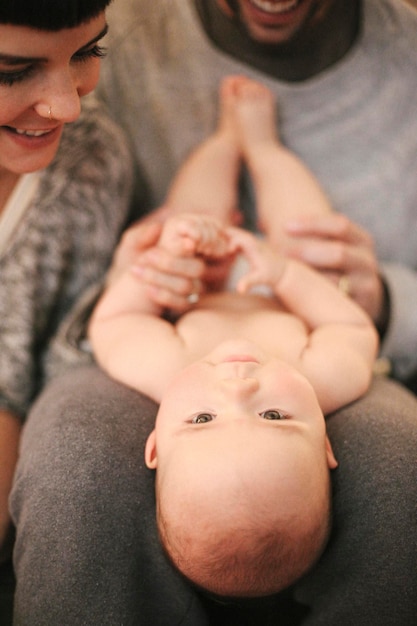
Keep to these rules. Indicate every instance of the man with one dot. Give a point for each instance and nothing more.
(327, 63)
(344, 74)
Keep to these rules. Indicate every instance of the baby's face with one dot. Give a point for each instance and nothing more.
(240, 445)
(239, 402)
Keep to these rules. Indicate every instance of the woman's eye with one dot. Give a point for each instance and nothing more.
(96, 51)
(10, 78)
(202, 418)
(272, 414)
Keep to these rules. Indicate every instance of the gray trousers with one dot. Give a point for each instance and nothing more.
(87, 551)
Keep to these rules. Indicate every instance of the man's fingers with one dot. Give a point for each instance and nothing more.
(331, 226)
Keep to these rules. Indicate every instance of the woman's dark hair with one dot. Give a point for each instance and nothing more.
(50, 14)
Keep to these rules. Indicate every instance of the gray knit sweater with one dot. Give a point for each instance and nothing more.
(61, 247)
(355, 124)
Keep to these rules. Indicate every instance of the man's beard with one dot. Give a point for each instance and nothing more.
(318, 11)
(233, 5)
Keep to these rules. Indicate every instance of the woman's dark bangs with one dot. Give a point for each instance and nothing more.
(50, 14)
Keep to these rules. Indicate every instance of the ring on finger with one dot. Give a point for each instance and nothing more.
(194, 296)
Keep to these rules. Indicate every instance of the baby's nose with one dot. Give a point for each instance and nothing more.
(240, 385)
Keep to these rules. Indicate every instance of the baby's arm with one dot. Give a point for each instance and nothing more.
(130, 339)
(339, 355)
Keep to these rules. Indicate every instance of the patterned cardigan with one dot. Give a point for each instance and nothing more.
(60, 248)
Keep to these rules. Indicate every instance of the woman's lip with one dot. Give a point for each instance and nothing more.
(31, 141)
(30, 132)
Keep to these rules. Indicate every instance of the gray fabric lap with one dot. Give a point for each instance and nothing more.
(371, 560)
(84, 503)
(85, 508)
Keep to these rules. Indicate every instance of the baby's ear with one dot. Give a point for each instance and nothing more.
(331, 459)
(150, 451)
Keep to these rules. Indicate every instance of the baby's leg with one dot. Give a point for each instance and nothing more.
(207, 182)
(190, 234)
(284, 187)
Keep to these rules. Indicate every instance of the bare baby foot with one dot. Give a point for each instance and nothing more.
(227, 105)
(255, 115)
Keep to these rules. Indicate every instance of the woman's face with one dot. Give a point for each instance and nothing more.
(43, 75)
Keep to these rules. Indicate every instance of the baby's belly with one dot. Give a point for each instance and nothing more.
(221, 317)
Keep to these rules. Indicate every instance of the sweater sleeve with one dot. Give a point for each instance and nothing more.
(61, 248)
(400, 341)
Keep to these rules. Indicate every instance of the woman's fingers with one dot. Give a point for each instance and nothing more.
(171, 280)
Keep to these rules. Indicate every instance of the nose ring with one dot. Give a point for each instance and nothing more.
(50, 113)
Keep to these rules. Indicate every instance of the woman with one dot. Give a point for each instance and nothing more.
(64, 188)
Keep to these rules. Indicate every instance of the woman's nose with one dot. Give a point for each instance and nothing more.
(60, 100)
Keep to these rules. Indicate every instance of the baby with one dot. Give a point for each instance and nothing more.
(243, 380)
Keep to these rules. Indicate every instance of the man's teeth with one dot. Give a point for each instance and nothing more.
(32, 133)
(275, 7)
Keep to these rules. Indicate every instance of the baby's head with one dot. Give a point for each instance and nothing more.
(239, 526)
(243, 486)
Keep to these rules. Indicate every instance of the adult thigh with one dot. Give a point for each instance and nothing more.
(87, 550)
(368, 574)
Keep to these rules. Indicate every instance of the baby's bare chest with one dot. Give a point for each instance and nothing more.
(266, 324)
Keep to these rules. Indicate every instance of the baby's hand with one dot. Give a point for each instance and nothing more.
(266, 266)
(190, 234)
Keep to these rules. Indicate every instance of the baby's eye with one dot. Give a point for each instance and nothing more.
(272, 414)
(202, 418)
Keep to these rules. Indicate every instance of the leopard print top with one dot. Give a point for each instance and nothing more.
(60, 248)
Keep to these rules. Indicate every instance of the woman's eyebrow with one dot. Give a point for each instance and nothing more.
(14, 59)
(101, 34)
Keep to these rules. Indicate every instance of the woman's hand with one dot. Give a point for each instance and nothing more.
(188, 237)
(142, 235)
(171, 280)
(343, 251)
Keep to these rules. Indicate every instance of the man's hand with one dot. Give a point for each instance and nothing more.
(343, 251)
